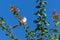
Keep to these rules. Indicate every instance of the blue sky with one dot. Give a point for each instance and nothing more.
(27, 8)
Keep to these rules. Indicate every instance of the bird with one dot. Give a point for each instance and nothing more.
(55, 16)
(22, 20)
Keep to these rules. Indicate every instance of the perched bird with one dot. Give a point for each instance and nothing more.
(55, 16)
(22, 20)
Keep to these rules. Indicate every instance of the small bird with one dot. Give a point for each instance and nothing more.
(55, 16)
(22, 20)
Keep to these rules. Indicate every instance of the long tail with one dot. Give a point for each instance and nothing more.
(15, 25)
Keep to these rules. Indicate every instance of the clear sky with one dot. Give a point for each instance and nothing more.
(27, 8)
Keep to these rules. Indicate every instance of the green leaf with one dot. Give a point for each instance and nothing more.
(57, 23)
(38, 27)
(3, 28)
(45, 2)
(45, 30)
(47, 36)
(36, 21)
(7, 34)
(43, 9)
(16, 13)
(40, 39)
(44, 15)
(37, 6)
(36, 12)
(7, 26)
(28, 35)
(26, 28)
(33, 34)
(54, 37)
(46, 23)
(12, 37)
(54, 30)
(15, 39)
(2, 20)
(39, 14)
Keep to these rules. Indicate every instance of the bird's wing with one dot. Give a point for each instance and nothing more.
(19, 17)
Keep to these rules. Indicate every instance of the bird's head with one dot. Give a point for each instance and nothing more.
(54, 13)
(14, 8)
